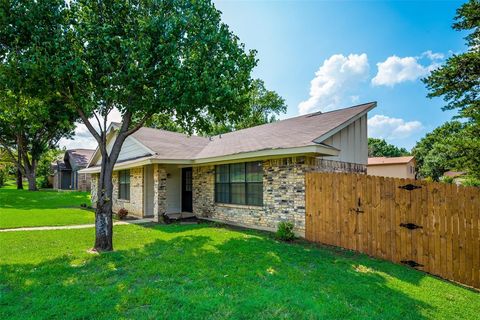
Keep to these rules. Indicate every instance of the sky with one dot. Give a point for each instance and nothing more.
(326, 55)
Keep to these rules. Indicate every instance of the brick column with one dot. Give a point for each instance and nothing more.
(159, 192)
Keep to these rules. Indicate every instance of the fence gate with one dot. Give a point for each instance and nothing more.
(433, 227)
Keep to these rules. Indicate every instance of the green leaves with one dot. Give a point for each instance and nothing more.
(456, 145)
(452, 146)
(380, 148)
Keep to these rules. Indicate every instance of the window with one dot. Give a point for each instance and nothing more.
(239, 183)
(124, 184)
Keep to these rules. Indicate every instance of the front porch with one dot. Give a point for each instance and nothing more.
(152, 190)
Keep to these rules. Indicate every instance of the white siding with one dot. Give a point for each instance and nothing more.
(148, 194)
(352, 142)
(130, 150)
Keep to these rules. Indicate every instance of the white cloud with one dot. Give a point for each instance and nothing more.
(433, 55)
(395, 70)
(334, 81)
(83, 138)
(384, 127)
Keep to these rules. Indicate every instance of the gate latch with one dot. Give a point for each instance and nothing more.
(411, 226)
(410, 187)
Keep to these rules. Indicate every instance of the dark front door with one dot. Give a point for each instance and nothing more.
(187, 190)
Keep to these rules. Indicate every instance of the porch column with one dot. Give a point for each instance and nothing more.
(159, 192)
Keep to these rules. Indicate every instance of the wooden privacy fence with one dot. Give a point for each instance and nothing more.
(433, 227)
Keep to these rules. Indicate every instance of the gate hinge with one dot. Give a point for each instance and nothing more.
(411, 226)
(411, 263)
(410, 187)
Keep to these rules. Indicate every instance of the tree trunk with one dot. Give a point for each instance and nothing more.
(19, 180)
(32, 181)
(103, 211)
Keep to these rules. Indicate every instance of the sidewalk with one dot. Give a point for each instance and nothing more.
(77, 226)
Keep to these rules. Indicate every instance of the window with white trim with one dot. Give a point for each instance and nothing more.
(239, 183)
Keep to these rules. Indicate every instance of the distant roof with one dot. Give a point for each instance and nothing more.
(301, 131)
(80, 157)
(58, 165)
(454, 174)
(385, 160)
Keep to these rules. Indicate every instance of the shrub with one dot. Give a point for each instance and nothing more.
(285, 231)
(471, 182)
(217, 224)
(122, 213)
(43, 182)
(447, 179)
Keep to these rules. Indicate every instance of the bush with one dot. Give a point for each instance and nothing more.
(122, 213)
(43, 182)
(447, 179)
(217, 224)
(471, 182)
(285, 231)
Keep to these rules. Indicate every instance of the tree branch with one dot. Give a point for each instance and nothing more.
(90, 127)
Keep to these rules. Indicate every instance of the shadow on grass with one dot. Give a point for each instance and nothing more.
(200, 276)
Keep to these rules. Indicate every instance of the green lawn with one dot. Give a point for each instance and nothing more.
(22, 208)
(203, 272)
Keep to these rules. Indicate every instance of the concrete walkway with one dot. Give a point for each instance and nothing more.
(76, 226)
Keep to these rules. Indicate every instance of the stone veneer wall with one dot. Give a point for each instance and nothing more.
(283, 193)
(84, 181)
(135, 204)
(159, 192)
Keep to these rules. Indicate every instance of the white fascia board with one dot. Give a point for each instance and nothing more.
(262, 154)
(330, 133)
(283, 152)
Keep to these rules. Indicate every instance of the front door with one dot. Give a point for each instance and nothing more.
(186, 189)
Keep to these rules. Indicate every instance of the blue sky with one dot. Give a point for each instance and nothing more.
(323, 55)
(340, 43)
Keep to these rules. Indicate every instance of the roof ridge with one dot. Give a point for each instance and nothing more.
(175, 132)
(308, 115)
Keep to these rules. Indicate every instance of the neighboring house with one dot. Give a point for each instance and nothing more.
(458, 177)
(65, 170)
(253, 177)
(395, 167)
(454, 174)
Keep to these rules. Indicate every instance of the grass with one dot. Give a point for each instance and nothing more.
(203, 272)
(23, 208)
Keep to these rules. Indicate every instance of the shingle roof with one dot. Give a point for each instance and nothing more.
(290, 133)
(170, 145)
(80, 157)
(393, 160)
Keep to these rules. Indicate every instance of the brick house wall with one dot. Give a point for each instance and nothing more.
(283, 193)
(135, 204)
(84, 181)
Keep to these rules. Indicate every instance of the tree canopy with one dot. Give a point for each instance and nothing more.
(173, 59)
(263, 107)
(380, 148)
(32, 118)
(437, 151)
(458, 83)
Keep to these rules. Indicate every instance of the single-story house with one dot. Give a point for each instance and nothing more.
(253, 177)
(66, 175)
(394, 167)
